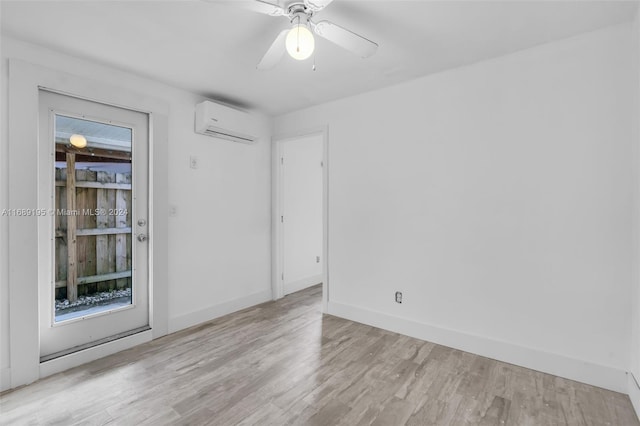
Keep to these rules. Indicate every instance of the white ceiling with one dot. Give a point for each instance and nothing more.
(212, 48)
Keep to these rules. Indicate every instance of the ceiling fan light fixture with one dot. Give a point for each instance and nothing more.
(300, 42)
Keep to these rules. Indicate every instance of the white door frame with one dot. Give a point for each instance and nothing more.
(25, 80)
(277, 258)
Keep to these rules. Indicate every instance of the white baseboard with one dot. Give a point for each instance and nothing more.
(634, 392)
(5, 379)
(302, 284)
(559, 365)
(90, 354)
(203, 315)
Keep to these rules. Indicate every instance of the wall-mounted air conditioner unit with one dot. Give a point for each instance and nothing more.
(223, 122)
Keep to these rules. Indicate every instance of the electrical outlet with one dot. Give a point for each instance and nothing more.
(398, 297)
(173, 211)
(317, 259)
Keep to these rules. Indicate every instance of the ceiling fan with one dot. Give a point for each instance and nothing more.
(298, 40)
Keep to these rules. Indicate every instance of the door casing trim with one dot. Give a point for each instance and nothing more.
(25, 81)
(277, 257)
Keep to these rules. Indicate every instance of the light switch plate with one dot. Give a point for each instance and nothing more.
(193, 162)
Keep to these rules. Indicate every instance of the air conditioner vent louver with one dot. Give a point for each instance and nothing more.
(227, 123)
(227, 136)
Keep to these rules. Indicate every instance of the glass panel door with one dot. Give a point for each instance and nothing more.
(93, 256)
(97, 180)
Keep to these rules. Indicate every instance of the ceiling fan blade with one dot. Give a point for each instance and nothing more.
(316, 5)
(346, 39)
(275, 52)
(265, 7)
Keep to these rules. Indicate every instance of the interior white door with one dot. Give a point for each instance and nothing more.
(301, 206)
(92, 226)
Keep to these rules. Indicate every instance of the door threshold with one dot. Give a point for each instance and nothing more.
(79, 348)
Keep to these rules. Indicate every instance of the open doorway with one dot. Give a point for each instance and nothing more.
(301, 214)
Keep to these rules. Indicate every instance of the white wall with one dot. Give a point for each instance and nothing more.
(634, 390)
(4, 227)
(221, 236)
(497, 198)
(302, 209)
(219, 241)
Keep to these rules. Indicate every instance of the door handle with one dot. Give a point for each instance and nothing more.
(142, 238)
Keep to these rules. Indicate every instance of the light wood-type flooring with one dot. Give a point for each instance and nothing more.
(284, 363)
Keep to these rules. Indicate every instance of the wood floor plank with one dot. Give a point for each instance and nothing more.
(435, 412)
(284, 363)
(497, 413)
(396, 411)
